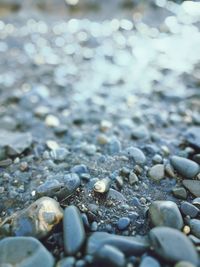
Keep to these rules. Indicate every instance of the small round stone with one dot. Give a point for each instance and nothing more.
(157, 172)
(123, 223)
(136, 154)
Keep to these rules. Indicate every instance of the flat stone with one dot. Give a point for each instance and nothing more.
(185, 167)
(172, 245)
(149, 262)
(37, 220)
(110, 256)
(189, 209)
(15, 143)
(127, 244)
(193, 186)
(74, 232)
(136, 154)
(165, 213)
(157, 172)
(24, 252)
(195, 227)
(179, 192)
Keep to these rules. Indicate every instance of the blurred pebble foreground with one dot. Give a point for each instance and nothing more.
(99, 133)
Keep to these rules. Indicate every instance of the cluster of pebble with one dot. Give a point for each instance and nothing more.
(92, 173)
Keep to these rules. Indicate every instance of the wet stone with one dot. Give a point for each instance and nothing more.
(193, 186)
(123, 223)
(127, 244)
(110, 256)
(156, 173)
(185, 167)
(148, 261)
(24, 252)
(189, 209)
(179, 192)
(172, 245)
(165, 213)
(74, 232)
(136, 154)
(195, 227)
(37, 220)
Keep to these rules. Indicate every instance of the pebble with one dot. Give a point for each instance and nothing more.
(172, 245)
(157, 158)
(123, 223)
(184, 264)
(193, 186)
(165, 213)
(49, 188)
(74, 232)
(157, 172)
(52, 121)
(140, 132)
(23, 166)
(196, 202)
(59, 154)
(133, 179)
(136, 154)
(37, 220)
(115, 195)
(14, 143)
(148, 261)
(127, 244)
(193, 137)
(79, 169)
(185, 167)
(114, 146)
(94, 226)
(108, 255)
(189, 209)
(195, 227)
(179, 192)
(66, 262)
(24, 252)
(71, 183)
